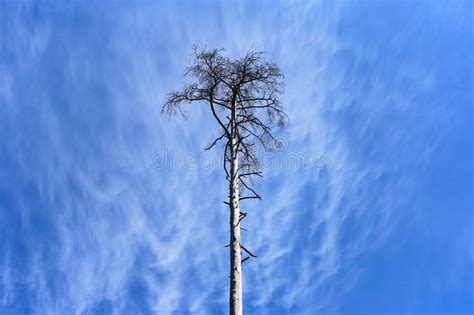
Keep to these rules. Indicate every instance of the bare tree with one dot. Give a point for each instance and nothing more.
(242, 95)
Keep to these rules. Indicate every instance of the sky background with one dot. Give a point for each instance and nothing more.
(107, 207)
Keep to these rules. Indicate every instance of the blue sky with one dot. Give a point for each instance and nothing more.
(106, 207)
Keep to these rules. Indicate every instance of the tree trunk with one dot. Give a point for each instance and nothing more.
(235, 256)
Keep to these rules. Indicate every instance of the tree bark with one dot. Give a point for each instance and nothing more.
(235, 254)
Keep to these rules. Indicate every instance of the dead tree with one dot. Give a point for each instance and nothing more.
(242, 95)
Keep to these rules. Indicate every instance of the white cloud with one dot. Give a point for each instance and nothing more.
(106, 205)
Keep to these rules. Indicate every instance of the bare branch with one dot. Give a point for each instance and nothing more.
(259, 174)
(215, 142)
(247, 251)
